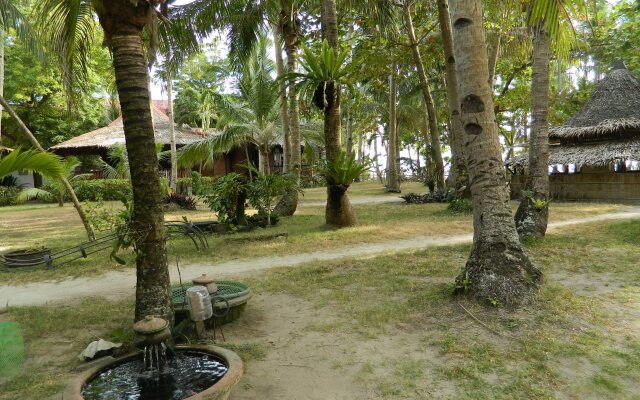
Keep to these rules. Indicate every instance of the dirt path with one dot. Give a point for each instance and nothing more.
(357, 200)
(115, 285)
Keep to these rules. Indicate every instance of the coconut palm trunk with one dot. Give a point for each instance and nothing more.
(533, 212)
(339, 211)
(434, 133)
(289, 202)
(393, 175)
(458, 171)
(284, 112)
(498, 270)
(123, 21)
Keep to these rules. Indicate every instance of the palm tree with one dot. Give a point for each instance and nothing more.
(498, 270)
(123, 22)
(46, 164)
(63, 179)
(246, 21)
(59, 191)
(430, 109)
(251, 117)
(548, 19)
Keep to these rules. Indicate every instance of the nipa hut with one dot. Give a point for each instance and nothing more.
(595, 155)
(99, 141)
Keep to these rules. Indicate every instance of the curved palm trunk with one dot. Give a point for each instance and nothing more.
(531, 221)
(458, 171)
(498, 270)
(34, 142)
(393, 174)
(123, 21)
(428, 100)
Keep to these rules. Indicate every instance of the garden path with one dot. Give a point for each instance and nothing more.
(117, 284)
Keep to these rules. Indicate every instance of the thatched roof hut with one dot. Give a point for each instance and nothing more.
(101, 140)
(604, 132)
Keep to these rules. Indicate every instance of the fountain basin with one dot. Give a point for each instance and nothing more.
(218, 391)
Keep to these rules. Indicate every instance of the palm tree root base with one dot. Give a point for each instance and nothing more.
(339, 211)
(499, 275)
(531, 222)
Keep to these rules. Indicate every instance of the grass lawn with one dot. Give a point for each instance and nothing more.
(59, 228)
(388, 328)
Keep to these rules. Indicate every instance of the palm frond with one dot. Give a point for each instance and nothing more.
(47, 164)
(33, 194)
(11, 17)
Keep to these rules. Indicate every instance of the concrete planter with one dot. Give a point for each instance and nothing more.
(220, 391)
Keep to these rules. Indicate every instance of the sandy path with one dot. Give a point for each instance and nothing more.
(356, 201)
(114, 285)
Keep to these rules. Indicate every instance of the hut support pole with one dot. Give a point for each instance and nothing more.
(65, 182)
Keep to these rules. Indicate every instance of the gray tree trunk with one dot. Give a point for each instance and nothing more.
(1, 75)
(498, 270)
(533, 212)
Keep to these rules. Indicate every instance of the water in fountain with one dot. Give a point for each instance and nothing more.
(180, 376)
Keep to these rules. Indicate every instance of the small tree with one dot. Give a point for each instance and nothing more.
(266, 188)
(227, 198)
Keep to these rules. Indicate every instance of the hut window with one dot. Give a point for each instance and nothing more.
(573, 169)
(277, 157)
(557, 169)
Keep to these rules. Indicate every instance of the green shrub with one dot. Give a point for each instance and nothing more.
(460, 206)
(102, 189)
(8, 195)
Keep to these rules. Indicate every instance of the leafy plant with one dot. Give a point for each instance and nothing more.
(319, 70)
(343, 170)
(265, 188)
(55, 190)
(46, 164)
(184, 202)
(460, 206)
(222, 198)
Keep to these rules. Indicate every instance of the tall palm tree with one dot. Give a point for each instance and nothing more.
(430, 109)
(123, 22)
(549, 20)
(245, 22)
(498, 269)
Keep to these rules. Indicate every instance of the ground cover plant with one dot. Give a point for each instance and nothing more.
(388, 328)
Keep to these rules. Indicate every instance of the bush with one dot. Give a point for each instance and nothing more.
(184, 202)
(222, 198)
(102, 189)
(435, 197)
(460, 206)
(8, 195)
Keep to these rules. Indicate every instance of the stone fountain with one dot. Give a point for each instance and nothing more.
(160, 371)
